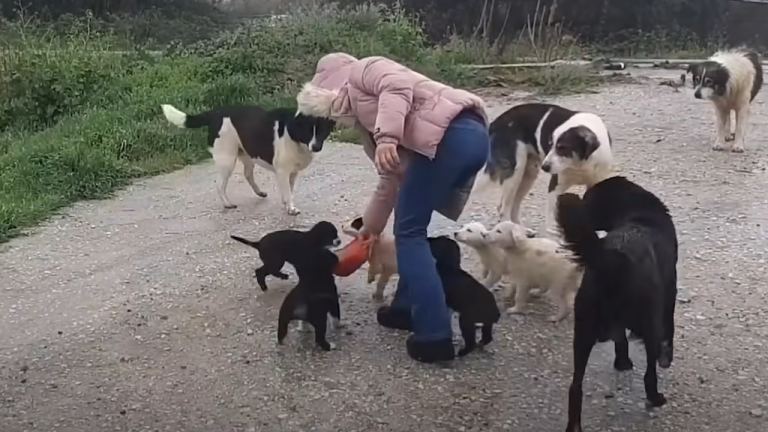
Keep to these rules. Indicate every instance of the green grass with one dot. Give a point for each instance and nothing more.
(78, 122)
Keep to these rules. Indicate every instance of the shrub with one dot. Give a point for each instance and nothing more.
(76, 121)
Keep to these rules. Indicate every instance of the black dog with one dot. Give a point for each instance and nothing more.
(279, 247)
(630, 279)
(314, 297)
(473, 302)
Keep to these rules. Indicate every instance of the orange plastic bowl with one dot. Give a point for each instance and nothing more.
(353, 256)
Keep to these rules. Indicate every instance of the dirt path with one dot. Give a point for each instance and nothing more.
(139, 313)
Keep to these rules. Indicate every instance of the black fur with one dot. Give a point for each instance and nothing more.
(757, 84)
(474, 303)
(314, 297)
(357, 223)
(256, 127)
(279, 247)
(630, 279)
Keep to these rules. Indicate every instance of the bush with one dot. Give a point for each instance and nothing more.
(78, 120)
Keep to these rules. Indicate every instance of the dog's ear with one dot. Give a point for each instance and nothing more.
(579, 141)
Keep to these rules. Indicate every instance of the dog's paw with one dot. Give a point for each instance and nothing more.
(737, 148)
(293, 211)
(230, 206)
(515, 310)
(622, 365)
(656, 401)
(261, 194)
(377, 296)
(464, 351)
(717, 146)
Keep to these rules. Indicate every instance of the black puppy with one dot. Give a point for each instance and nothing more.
(474, 303)
(279, 247)
(630, 279)
(314, 297)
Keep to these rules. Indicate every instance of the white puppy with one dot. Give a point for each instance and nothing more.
(382, 261)
(491, 257)
(536, 262)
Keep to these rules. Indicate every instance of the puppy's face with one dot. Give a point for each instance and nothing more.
(472, 234)
(506, 234)
(352, 228)
(324, 234)
(311, 131)
(710, 80)
(445, 251)
(575, 148)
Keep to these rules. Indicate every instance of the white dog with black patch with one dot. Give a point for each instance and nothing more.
(279, 140)
(730, 79)
(522, 137)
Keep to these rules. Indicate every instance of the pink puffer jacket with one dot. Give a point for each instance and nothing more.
(391, 104)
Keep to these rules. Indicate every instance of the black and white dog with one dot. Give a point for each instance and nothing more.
(279, 140)
(730, 79)
(575, 147)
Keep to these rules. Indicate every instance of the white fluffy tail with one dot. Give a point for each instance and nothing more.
(176, 117)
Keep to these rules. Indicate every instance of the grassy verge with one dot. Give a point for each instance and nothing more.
(78, 121)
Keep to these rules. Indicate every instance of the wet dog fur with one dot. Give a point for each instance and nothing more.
(630, 280)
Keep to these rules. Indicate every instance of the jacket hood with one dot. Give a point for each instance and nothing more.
(332, 70)
(321, 96)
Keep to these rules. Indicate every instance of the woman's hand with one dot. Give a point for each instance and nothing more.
(387, 159)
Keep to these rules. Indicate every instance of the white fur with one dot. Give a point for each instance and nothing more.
(290, 159)
(536, 262)
(382, 261)
(737, 98)
(492, 257)
(174, 116)
(572, 172)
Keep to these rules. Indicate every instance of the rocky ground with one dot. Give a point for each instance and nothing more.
(140, 314)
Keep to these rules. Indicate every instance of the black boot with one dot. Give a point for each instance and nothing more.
(397, 319)
(430, 351)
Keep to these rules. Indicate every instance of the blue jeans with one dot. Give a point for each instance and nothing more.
(426, 185)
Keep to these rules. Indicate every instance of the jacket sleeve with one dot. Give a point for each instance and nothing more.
(392, 84)
(384, 198)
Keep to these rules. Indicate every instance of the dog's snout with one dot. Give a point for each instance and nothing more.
(546, 167)
(337, 242)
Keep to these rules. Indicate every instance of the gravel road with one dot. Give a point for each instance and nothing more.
(140, 314)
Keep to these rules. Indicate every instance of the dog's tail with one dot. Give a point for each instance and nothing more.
(182, 120)
(578, 231)
(490, 175)
(253, 244)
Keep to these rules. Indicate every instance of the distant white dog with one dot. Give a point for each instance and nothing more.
(536, 262)
(382, 261)
(491, 257)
